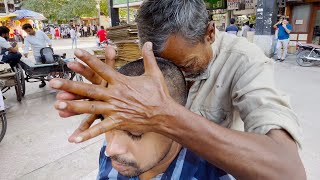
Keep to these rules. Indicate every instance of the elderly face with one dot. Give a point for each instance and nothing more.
(191, 58)
(134, 153)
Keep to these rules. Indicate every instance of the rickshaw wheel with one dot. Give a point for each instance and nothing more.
(21, 79)
(3, 124)
(18, 85)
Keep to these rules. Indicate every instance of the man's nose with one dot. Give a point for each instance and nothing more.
(115, 147)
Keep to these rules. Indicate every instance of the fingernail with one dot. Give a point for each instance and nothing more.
(78, 52)
(56, 84)
(62, 105)
(149, 46)
(79, 139)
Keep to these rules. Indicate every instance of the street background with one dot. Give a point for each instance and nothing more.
(36, 147)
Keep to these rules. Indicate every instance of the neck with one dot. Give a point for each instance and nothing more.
(163, 164)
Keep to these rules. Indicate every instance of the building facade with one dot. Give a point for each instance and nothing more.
(305, 20)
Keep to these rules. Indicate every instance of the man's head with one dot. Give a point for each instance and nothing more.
(232, 21)
(102, 27)
(28, 29)
(179, 30)
(285, 20)
(134, 153)
(4, 32)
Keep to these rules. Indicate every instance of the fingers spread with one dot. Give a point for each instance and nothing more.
(86, 124)
(84, 107)
(85, 71)
(110, 55)
(150, 63)
(103, 70)
(65, 96)
(90, 91)
(96, 130)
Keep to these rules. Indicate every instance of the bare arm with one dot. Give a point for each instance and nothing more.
(12, 50)
(286, 29)
(275, 26)
(244, 155)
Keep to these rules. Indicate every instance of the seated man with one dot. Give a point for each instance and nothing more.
(9, 54)
(132, 155)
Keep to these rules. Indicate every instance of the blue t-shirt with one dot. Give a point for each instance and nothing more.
(232, 29)
(282, 33)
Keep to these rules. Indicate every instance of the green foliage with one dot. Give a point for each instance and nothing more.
(65, 9)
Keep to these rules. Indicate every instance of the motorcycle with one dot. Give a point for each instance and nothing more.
(308, 55)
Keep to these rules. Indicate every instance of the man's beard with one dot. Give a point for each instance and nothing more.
(136, 170)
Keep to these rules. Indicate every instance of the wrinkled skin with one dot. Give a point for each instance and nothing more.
(123, 101)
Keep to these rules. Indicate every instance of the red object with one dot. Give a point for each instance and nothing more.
(57, 33)
(102, 34)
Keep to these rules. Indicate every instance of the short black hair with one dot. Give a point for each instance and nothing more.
(232, 21)
(102, 27)
(4, 30)
(27, 26)
(172, 74)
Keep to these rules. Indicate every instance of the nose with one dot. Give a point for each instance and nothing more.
(115, 146)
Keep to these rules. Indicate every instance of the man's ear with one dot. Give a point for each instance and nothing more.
(210, 33)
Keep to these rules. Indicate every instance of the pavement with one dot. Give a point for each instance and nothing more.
(36, 147)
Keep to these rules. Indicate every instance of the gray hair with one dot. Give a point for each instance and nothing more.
(158, 19)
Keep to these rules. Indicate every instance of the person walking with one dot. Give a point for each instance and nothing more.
(232, 29)
(74, 37)
(284, 30)
(245, 29)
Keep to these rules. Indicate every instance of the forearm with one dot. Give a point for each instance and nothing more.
(244, 155)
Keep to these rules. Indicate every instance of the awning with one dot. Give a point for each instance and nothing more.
(8, 16)
(29, 15)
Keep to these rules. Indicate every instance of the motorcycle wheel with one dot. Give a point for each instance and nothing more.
(301, 58)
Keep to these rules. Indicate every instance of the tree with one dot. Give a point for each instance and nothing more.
(65, 9)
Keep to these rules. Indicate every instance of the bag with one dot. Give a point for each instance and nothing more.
(47, 56)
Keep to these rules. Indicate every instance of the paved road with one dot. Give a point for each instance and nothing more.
(36, 147)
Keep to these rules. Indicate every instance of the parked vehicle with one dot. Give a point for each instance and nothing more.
(309, 55)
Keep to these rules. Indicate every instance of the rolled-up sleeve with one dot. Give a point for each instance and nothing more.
(262, 108)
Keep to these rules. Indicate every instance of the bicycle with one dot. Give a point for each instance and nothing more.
(3, 119)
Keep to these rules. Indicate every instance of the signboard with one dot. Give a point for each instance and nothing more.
(233, 4)
(215, 4)
(241, 4)
(250, 4)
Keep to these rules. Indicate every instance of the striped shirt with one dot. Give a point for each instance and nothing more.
(186, 166)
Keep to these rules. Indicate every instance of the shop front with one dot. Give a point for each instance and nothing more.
(305, 20)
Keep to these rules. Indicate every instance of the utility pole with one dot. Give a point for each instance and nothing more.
(99, 11)
(6, 6)
(128, 11)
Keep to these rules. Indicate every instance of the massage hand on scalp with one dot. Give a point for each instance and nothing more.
(129, 103)
(233, 81)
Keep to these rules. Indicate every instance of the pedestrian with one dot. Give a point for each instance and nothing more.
(232, 29)
(57, 33)
(235, 118)
(252, 27)
(102, 34)
(37, 40)
(245, 29)
(284, 30)
(85, 31)
(74, 37)
(52, 32)
(9, 54)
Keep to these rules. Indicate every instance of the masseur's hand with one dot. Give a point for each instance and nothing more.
(89, 74)
(129, 103)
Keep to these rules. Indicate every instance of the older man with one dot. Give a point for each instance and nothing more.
(230, 80)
